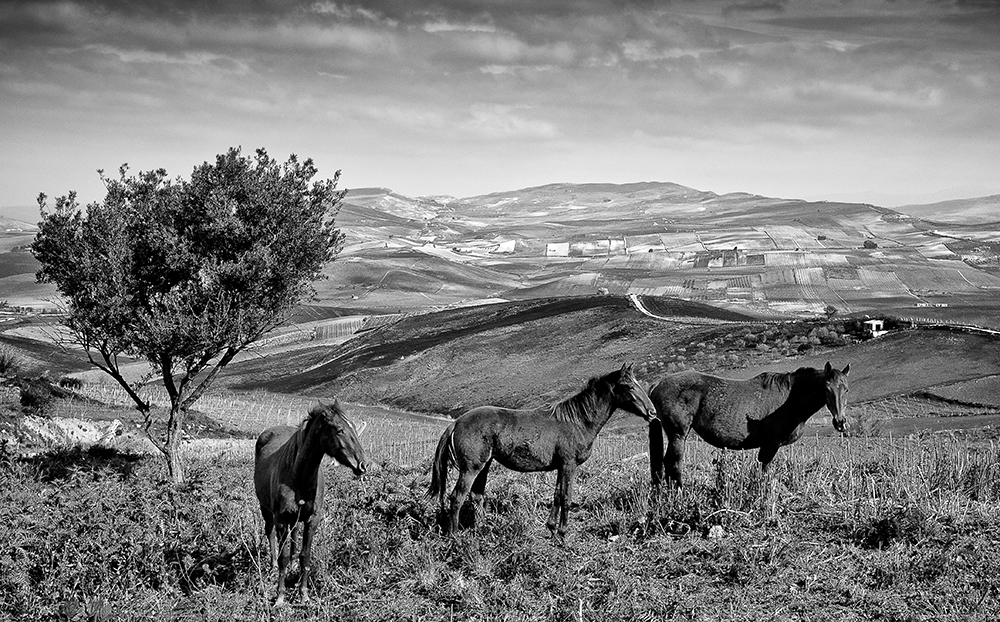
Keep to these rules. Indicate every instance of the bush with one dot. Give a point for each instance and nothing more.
(36, 394)
(10, 363)
(69, 382)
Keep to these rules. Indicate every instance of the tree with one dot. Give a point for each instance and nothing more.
(185, 274)
(829, 311)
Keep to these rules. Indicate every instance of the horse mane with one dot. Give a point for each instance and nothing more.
(784, 381)
(577, 408)
(319, 412)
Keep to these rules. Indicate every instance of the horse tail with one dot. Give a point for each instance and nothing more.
(439, 470)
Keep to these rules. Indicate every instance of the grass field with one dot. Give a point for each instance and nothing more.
(844, 528)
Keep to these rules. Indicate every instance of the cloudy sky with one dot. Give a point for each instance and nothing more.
(885, 102)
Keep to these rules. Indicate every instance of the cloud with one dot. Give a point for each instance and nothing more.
(482, 121)
(774, 6)
(399, 77)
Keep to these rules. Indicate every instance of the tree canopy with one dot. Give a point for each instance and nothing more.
(186, 273)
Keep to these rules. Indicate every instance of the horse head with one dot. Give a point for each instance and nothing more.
(836, 394)
(339, 438)
(631, 396)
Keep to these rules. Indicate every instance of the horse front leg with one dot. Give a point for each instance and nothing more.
(766, 455)
(567, 500)
(283, 530)
(305, 557)
(293, 538)
(656, 453)
(560, 505)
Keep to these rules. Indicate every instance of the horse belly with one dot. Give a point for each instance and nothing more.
(726, 429)
(526, 454)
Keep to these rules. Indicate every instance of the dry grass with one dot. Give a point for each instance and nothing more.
(843, 528)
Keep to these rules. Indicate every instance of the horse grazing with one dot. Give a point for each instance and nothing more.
(545, 439)
(767, 412)
(289, 482)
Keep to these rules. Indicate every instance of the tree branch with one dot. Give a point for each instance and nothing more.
(230, 354)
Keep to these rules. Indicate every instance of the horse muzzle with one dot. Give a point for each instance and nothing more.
(360, 469)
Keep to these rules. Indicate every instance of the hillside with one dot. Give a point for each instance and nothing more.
(522, 354)
(972, 211)
(763, 256)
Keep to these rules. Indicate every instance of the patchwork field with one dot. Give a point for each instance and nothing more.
(763, 255)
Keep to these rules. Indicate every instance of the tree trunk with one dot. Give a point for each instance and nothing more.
(172, 447)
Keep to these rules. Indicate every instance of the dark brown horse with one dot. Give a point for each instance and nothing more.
(765, 412)
(546, 439)
(289, 482)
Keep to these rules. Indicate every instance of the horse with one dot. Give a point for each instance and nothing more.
(289, 482)
(765, 412)
(551, 438)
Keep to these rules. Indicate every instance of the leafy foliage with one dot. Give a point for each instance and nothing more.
(184, 274)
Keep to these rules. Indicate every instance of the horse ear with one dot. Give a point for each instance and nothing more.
(846, 370)
(828, 367)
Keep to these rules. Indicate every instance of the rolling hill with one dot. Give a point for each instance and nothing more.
(521, 354)
(763, 256)
(972, 211)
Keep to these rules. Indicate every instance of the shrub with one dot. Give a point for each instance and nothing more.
(36, 394)
(69, 382)
(10, 363)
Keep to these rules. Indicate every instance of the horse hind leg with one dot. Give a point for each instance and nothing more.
(674, 456)
(272, 543)
(559, 514)
(479, 492)
(462, 488)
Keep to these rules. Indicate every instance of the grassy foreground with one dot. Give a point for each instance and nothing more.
(844, 530)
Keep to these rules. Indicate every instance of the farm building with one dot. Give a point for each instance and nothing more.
(557, 249)
(506, 246)
(874, 328)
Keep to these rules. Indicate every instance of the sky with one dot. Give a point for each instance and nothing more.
(886, 102)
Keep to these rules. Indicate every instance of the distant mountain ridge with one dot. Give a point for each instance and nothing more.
(12, 224)
(971, 211)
